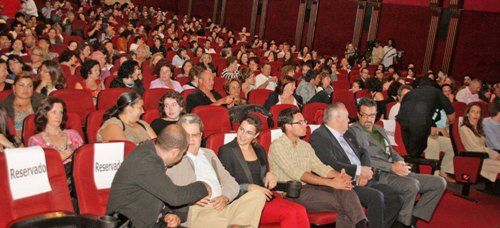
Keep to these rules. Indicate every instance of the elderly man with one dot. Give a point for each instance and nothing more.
(393, 170)
(323, 188)
(143, 193)
(201, 164)
(470, 93)
(205, 93)
(339, 149)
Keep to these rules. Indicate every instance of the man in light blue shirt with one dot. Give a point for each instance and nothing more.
(491, 127)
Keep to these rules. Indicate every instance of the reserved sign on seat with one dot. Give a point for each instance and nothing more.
(107, 159)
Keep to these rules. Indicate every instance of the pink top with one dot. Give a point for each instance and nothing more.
(73, 137)
(158, 83)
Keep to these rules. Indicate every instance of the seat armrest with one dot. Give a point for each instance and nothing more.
(482, 155)
(55, 219)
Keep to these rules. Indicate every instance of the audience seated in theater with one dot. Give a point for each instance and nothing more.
(292, 159)
(448, 92)
(473, 137)
(394, 171)
(17, 66)
(402, 91)
(6, 139)
(307, 86)
(232, 87)
(390, 53)
(100, 56)
(70, 59)
(171, 108)
(17, 48)
(206, 63)
(180, 57)
(90, 72)
(129, 76)
(50, 121)
(248, 81)
(356, 86)
(49, 78)
(143, 193)
(221, 208)
(44, 43)
(253, 64)
(469, 93)
(265, 80)
(205, 93)
(246, 161)
(336, 147)
(22, 102)
(122, 121)
(37, 57)
(4, 74)
(284, 94)
(491, 126)
(324, 91)
(231, 71)
(194, 74)
(374, 86)
(157, 47)
(165, 73)
(186, 67)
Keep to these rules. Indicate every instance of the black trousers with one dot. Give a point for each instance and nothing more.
(415, 138)
(382, 201)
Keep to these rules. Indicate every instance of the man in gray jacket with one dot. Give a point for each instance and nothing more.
(201, 164)
(394, 170)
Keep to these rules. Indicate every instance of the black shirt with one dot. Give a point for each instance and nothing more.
(159, 124)
(254, 167)
(198, 98)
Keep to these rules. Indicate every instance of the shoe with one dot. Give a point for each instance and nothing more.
(447, 177)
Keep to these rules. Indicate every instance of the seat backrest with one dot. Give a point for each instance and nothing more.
(459, 107)
(266, 137)
(57, 199)
(309, 110)
(258, 96)
(388, 108)
(81, 106)
(456, 135)
(399, 145)
(276, 109)
(215, 119)
(152, 97)
(347, 98)
(318, 116)
(94, 122)
(217, 140)
(362, 93)
(185, 93)
(150, 115)
(107, 98)
(340, 85)
(91, 200)
(29, 126)
(4, 94)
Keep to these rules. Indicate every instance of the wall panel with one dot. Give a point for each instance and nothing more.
(202, 8)
(281, 20)
(238, 13)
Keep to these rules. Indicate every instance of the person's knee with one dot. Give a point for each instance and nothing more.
(439, 183)
(411, 186)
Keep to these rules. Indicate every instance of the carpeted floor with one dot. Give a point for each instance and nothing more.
(454, 211)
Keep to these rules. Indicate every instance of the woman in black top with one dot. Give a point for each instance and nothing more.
(129, 76)
(171, 108)
(246, 161)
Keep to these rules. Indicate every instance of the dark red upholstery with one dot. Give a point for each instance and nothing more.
(466, 168)
(318, 117)
(94, 122)
(186, 93)
(90, 199)
(309, 110)
(152, 97)
(77, 101)
(150, 115)
(258, 96)
(346, 97)
(215, 141)
(56, 200)
(363, 93)
(107, 98)
(276, 109)
(5, 93)
(213, 125)
(398, 138)
(388, 108)
(29, 127)
(459, 108)
(341, 85)
(322, 218)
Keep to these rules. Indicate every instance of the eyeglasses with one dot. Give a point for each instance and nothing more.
(246, 132)
(300, 122)
(366, 115)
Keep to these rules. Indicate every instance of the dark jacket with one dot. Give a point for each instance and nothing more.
(118, 83)
(329, 151)
(273, 99)
(198, 98)
(141, 188)
(8, 103)
(232, 159)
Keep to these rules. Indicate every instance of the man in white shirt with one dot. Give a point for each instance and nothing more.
(201, 164)
(208, 49)
(264, 80)
(470, 93)
(29, 8)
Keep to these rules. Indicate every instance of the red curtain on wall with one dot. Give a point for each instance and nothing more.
(182, 7)
(334, 27)
(478, 46)
(202, 8)
(409, 26)
(238, 13)
(281, 20)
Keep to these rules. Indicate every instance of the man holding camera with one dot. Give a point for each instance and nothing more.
(339, 149)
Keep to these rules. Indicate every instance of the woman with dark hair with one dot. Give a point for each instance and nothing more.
(186, 67)
(17, 66)
(50, 78)
(171, 108)
(17, 48)
(374, 86)
(473, 137)
(84, 50)
(22, 102)
(246, 161)
(284, 94)
(129, 76)
(231, 70)
(165, 73)
(248, 80)
(70, 59)
(180, 57)
(6, 139)
(91, 73)
(157, 47)
(50, 120)
(4, 73)
(123, 121)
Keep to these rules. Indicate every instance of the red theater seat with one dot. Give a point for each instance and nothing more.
(215, 141)
(77, 101)
(57, 199)
(107, 98)
(341, 85)
(151, 115)
(388, 108)
(152, 97)
(90, 199)
(309, 110)
(258, 96)
(215, 119)
(29, 127)
(346, 97)
(94, 122)
(276, 109)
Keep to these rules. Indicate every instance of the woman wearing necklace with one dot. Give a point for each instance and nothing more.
(50, 120)
(122, 121)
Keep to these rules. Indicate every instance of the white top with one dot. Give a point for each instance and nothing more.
(29, 8)
(389, 54)
(205, 172)
(210, 51)
(261, 79)
(394, 111)
(465, 95)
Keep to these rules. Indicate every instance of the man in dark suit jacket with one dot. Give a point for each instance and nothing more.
(142, 191)
(336, 148)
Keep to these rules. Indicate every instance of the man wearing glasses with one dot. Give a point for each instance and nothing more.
(292, 159)
(339, 149)
(393, 170)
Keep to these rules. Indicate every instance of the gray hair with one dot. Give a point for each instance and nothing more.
(191, 119)
(367, 102)
(402, 87)
(332, 110)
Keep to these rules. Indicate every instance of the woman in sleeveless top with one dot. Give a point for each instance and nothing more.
(91, 72)
(122, 121)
